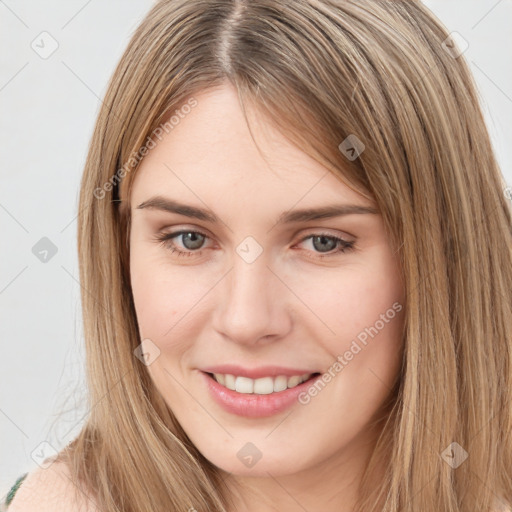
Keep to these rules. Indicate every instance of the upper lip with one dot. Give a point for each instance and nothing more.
(256, 373)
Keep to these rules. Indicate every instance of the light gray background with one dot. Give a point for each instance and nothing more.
(48, 108)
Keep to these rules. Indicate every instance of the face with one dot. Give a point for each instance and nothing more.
(272, 335)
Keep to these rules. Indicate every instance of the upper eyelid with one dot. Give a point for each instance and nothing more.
(315, 231)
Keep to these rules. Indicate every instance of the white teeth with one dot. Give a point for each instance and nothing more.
(262, 386)
(294, 381)
(280, 383)
(230, 382)
(221, 379)
(244, 385)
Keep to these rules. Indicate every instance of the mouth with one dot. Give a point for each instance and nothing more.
(261, 386)
(256, 392)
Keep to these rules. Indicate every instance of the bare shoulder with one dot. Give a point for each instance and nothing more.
(51, 490)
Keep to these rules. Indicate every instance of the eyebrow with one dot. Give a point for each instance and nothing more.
(304, 215)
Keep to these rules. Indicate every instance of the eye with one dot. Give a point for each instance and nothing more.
(194, 241)
(329, 243)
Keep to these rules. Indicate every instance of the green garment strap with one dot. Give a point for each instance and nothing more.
(14, 488)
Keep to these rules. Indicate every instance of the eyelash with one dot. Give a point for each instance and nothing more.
(166, 240)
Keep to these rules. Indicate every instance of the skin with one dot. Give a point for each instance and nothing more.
(289, 307)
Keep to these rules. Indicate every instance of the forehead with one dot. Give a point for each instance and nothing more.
(210, 152)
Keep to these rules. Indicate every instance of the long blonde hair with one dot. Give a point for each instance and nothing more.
(322, 70)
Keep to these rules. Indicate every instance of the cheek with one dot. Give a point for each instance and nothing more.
(349, 301)
(167, 300)
(371, 351)
(364, 310)
(162, 300)
(156, 298)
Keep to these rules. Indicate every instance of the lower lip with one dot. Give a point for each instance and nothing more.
(253, 405)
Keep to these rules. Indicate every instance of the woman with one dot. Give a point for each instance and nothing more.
(234, 363)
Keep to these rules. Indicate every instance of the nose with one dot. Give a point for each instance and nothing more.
(253, 305)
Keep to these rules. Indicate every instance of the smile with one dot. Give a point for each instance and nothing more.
(261, 386)
(257, 397)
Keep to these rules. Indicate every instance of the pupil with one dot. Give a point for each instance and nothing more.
(195, 238)
(323, 239)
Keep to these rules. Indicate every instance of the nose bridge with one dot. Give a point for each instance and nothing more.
(250, 303)
(249, 282)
